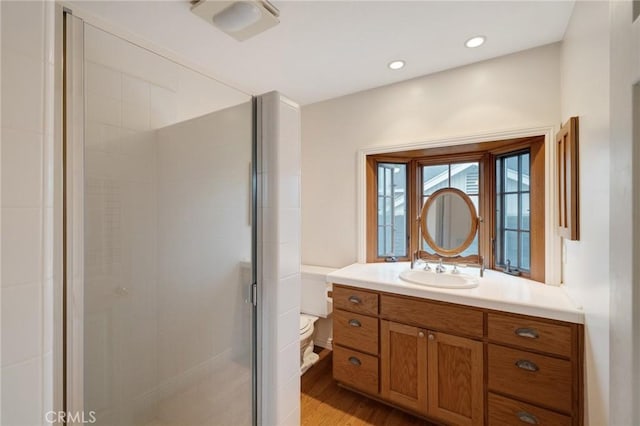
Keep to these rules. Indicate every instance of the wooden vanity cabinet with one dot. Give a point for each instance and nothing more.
(356, 339)
(456, 379)
(535, 371)
(456, 364)
(450, 365)
(403, 365)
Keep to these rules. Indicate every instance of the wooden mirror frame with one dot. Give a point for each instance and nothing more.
(425, 232)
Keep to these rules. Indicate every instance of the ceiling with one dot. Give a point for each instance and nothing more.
(325, 49)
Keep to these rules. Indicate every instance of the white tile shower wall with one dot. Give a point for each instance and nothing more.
(27, 202)
(167, 227)
(27, 190)
(26, 361)
(203, 197)
(175, 93)
(280, 210)
(120, 300)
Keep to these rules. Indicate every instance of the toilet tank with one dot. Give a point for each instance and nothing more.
(314, 298)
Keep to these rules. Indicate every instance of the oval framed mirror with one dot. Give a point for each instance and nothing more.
(448, 222)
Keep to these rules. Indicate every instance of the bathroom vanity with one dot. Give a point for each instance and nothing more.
(507, 352)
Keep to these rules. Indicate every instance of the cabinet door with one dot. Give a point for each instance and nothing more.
(456, 373)
(404, 365)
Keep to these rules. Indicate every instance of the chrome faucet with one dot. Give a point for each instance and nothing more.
(440, 268)
(415, 258)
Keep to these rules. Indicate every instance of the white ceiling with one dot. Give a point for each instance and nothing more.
(324, 49)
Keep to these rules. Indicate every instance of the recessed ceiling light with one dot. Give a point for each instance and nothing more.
(475, 41)
(396, 65)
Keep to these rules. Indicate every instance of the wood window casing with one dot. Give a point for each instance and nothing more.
(485, 154)
(567, 169)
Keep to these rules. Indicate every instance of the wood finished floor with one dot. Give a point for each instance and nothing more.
(323, 402)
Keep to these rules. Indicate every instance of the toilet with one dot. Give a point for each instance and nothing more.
(307, 331)
(314, 304)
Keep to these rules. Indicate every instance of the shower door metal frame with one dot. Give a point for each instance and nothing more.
(73, 214)
(70, 224)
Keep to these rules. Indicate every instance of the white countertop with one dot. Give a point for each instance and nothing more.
(496, 290)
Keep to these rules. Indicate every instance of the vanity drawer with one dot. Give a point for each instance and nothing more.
(355, 331)
(355, 300)
(530, 334)
(355, 369)
(508, 412)
(536, 378)
(427, 314)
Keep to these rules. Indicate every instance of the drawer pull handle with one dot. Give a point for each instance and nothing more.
(355, 361)
(526, 365)
(529, 333)
(354, 323)
(527, 418)
(355, 300)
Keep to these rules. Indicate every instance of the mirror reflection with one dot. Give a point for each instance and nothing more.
(449, 221)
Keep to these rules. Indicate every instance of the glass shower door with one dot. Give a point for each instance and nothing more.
(168, 324)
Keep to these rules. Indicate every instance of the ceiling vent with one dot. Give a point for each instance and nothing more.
(239, 19)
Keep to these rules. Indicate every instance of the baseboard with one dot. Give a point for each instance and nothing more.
(324, 343)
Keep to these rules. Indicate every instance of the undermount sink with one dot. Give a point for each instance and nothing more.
(443, 280)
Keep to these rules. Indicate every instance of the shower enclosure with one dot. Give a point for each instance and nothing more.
(160, 239)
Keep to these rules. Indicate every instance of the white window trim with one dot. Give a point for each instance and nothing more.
(553, 260)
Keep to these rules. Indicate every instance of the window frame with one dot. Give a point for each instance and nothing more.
(384, 164)
(372, 205)
(500, 197)
(485, 154)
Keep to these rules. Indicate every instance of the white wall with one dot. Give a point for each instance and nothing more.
(585, 93)
(521, 90)
(26, 289)
(625, 216)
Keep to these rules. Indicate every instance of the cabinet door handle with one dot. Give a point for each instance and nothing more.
(527, 418)
(354, 323)
(355, 300)
(432, 336)
(529, 333)
(355, 361)
(527, 365)
(420, 333)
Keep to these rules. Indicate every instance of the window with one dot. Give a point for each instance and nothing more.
(392, 210)
(504, 179)
(512, 211)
